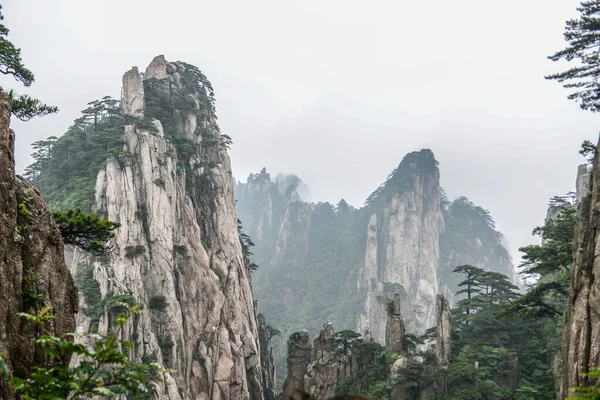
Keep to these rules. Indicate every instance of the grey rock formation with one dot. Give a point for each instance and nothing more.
(33, 273)
(402, 249)
(335, 358)
(331, 363)
(443, 340)
(256, 195)
(266, 356)
(132, 102)
(581, 333)
(158, 69)
(299, 357)
(394, 328)
(582, 183)
(178, 251)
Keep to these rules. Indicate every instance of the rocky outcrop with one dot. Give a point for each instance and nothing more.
(298, 359)
(394, 328)
(177, 252)
(266, 356)
(132, 102)
(33, 273)
(402, 246)
(581, 332)
(331, 363)
(335, 362)
(292, 239)
(582, 183)
(255, 198)
(443, 339)
(160, 69)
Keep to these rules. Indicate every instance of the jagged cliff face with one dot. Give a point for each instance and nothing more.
(177, 252)
(33, 273)
(581, 333)
(402, 247)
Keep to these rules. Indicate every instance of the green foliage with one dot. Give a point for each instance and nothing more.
(157, 303)
(10, 58)
(105, 369)
(271, 332)
(371, 377)
(588, 150)
(166, 347)
(217, 271)
(90, 289)
(413, 165)
(556, 254)
(590, 391)
(95, 305)
(65, 169)
(132, 252)
(29, 291)
(3, 368)
(549, 262)
(180, 251)
(583, 46)
(23, 210)
(89, 232)
(469, 237)
(160, 182)
(23, 107)
(492, 357)
(198, 357)
(246, 242)
(194, 96)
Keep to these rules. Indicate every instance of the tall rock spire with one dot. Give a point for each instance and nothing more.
(443, 340)
(394, 327)
(402, 246)
(132, 102)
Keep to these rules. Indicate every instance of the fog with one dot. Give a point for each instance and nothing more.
(338, 91)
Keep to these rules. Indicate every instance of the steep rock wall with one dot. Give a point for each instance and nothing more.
(33, 273)
(581, 333)
(177, 251)
(402, 247)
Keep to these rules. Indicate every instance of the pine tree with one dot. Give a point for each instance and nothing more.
(583, 36)
(22, 106)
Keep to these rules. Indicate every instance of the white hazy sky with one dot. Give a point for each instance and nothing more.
(338, 91)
